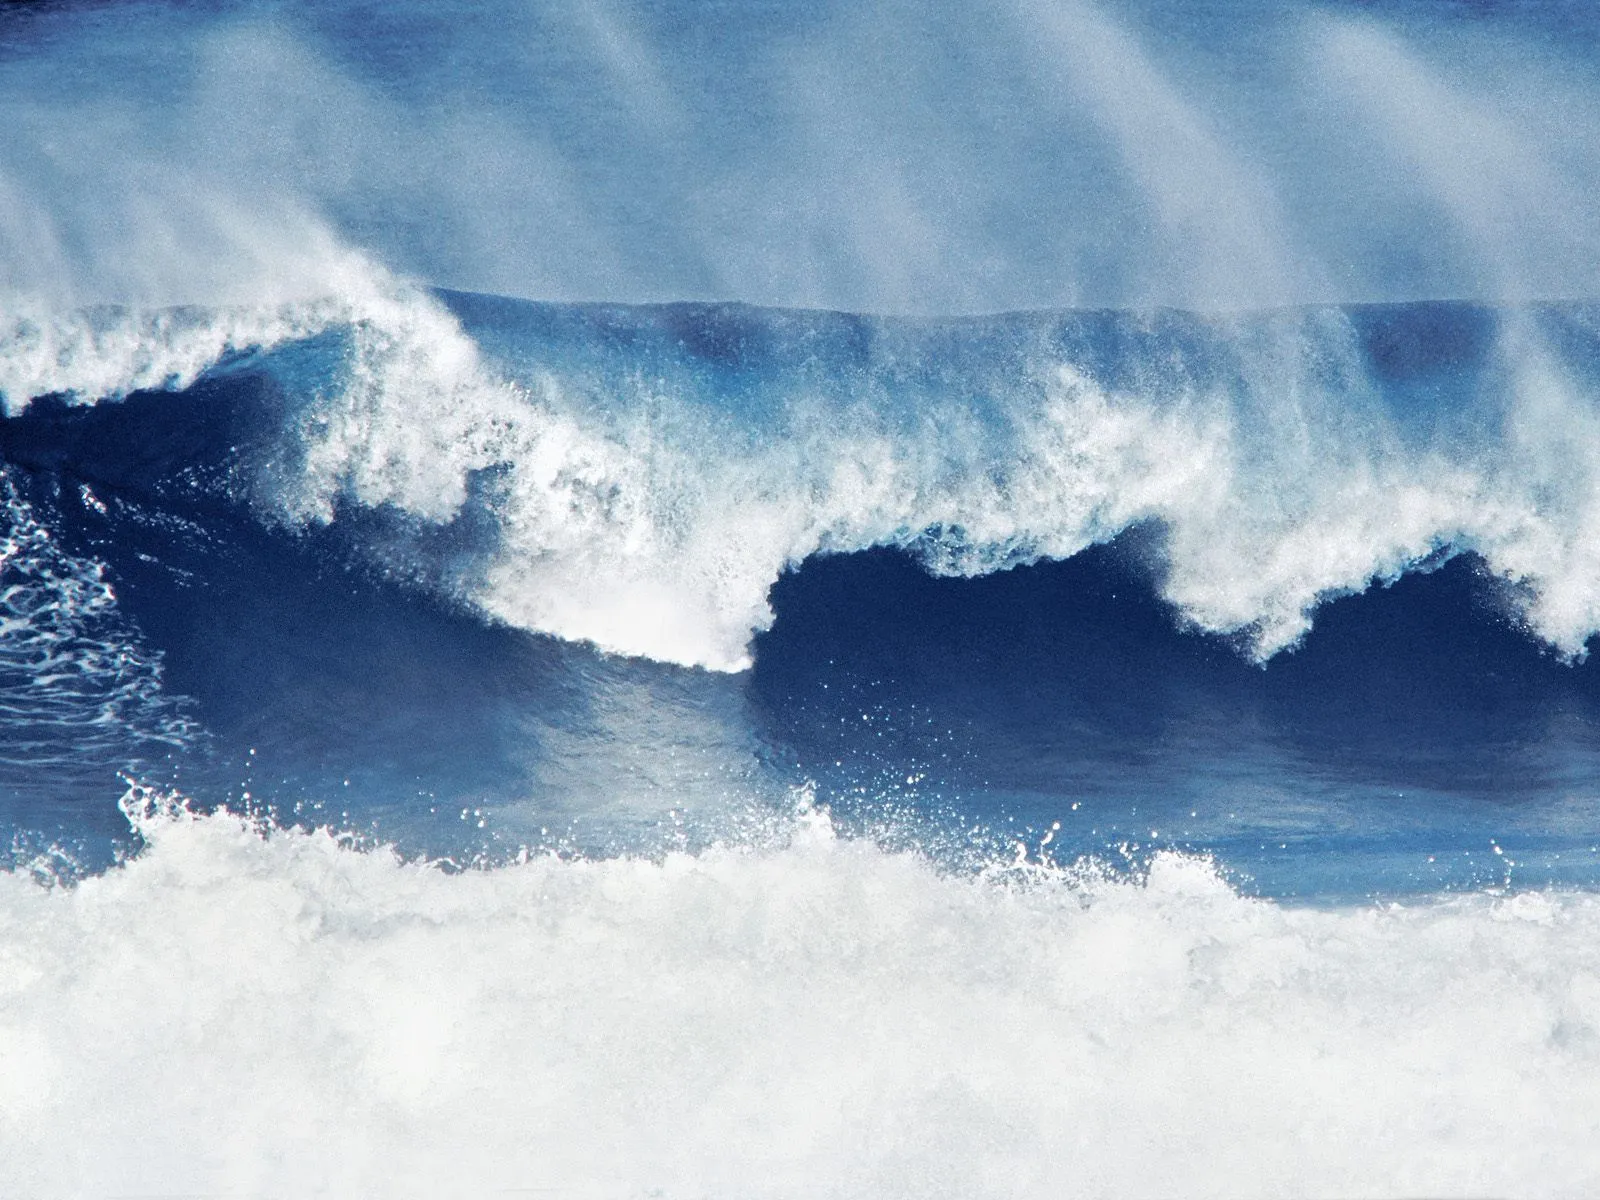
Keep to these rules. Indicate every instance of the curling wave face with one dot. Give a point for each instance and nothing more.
(645, 475)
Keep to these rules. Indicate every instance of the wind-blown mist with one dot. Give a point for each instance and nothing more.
(899, 157)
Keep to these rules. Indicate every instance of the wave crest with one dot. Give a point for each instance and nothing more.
(645, 475)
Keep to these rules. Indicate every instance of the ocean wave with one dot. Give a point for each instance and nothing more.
(648, 474)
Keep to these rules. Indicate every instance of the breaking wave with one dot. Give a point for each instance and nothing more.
(639, 478)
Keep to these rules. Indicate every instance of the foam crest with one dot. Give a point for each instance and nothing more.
(818, 1018)
(49, 346)
(107, 353)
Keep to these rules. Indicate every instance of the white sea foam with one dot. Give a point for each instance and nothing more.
(283, 1015)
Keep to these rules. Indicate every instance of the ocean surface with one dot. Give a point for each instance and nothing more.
(750, 599)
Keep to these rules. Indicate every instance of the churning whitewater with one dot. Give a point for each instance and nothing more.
(814, 1017)
(621, 599)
